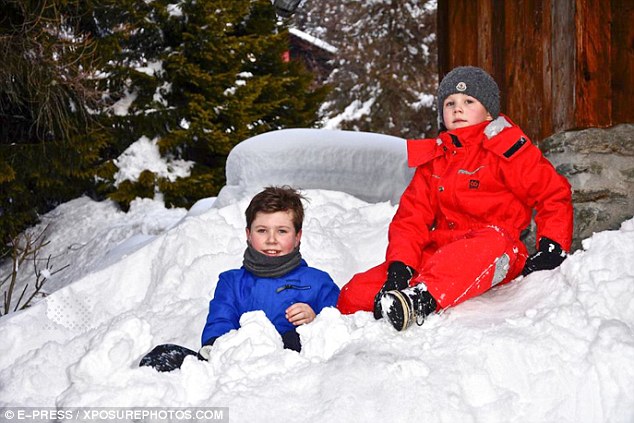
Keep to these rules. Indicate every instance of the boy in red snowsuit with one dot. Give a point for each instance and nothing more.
(457, 230)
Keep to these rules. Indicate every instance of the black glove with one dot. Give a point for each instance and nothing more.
(549, 256)
(398, 277)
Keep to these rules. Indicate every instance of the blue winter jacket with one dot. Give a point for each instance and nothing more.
(239, 291)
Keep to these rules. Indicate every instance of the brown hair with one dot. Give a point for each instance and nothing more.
(274, 199)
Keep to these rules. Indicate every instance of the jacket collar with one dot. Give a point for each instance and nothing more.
(423, 150)
(461, 137)
(474, 134)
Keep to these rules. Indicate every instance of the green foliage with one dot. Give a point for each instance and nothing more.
(143, 187)
(221, 80)
(45, 175)
(202, 180)
(82, 80)
(47, 143)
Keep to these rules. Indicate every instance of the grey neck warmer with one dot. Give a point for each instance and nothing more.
(270, 267)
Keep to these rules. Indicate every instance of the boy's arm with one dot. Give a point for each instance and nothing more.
(325, 293)
(533, 179)
(328, 294)
(224, 313)
(409, 230)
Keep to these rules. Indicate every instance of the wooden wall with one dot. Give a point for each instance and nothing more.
(560, 64)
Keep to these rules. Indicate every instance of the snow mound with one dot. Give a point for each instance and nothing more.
(554, 346)
(371, 167)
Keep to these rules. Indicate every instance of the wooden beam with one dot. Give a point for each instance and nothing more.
(442, 36)
(622, 68)
(563, 50)
(560, 64)
(485, 34)
(593, 92)
(523, 85)
(463, 32)
(545, 41)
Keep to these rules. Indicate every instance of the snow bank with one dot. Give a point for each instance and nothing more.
(369, 166)
(83, 236)
(555, 346)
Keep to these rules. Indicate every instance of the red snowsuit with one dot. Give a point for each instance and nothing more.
(459, 221)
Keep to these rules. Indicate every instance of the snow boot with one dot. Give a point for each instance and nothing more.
(398, 277)
(402, 307)
(167, 357)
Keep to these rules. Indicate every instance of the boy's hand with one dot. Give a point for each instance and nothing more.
(549, 256)
(300, 313)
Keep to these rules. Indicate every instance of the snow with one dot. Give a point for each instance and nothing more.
(369, 166)
(354, 110)
(122, 106)
(313, 40)
(554, 346)
(144, 154)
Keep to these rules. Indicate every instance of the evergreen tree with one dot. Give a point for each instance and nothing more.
(219, 77)
(47, 143)
(197, 76)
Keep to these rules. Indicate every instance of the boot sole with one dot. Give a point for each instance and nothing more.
(405, 307)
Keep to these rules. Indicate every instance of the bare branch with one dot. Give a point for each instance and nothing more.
(26, 246)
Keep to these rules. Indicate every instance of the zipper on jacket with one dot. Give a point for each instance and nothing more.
(289, 286)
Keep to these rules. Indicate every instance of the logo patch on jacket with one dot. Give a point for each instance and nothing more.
(474, 184)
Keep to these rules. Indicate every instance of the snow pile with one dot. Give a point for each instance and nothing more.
(372, 167)
(83, 236)
(555, 346)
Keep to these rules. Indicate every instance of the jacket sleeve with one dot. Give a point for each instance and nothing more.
(534, 180)
(224, 314)
(409, 230)
(328, 294)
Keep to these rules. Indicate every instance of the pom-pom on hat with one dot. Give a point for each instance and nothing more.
(473, 81)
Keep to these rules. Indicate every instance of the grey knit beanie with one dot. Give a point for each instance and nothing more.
(471, 81)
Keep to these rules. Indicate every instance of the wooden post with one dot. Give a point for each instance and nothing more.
(562, 58)
(622, 61)
(593, 93)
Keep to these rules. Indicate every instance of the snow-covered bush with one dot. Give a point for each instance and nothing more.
(371, 167)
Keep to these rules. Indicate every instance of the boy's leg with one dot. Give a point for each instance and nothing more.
(359, 293)
(469, 266)
(167, 357)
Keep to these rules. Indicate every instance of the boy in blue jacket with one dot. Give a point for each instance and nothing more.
(273, 278)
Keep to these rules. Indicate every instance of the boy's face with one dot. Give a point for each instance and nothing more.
(273, 234)
(461, 110)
